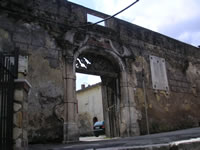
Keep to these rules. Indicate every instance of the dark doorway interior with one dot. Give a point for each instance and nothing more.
(95, 119)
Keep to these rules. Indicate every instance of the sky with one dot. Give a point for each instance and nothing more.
(179, 19)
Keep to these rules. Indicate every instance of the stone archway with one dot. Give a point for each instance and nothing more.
(116, 91)
(96, 64)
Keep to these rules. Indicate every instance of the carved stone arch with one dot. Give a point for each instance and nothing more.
(117, 92)
(108, 54)
(114, 90)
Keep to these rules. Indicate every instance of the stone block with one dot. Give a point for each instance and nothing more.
(17, 119)
(25, 144)
(22, 37)
(5, 40)
(25, 106)
(71, 132)
(18, 144)
(50, 43)
(63, 11)
(25, 119)
(17, 107)
(4, 34)
(22, 46)
(17, 132)
(38, 36)
(6, 24)
(19, 95)
(46, 8)
(25, 135)
(173, 82)
(185, 85)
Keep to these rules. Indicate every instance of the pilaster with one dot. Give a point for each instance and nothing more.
(70, 127)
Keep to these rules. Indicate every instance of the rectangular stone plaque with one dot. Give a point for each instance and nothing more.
(158, 73)
(23, 64)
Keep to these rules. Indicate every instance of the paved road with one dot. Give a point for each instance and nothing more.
(93, 138)
(137, 141)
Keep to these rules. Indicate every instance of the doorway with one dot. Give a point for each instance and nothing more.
(93, 64)
(89, 100)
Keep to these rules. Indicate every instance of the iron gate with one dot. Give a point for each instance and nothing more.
(8, 72)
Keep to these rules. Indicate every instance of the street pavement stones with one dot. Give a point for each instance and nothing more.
(188, 139)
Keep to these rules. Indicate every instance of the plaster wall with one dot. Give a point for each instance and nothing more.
(89, 106)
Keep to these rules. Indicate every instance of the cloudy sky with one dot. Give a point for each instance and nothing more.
(179, 19)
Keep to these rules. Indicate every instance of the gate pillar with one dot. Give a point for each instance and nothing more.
(71, 131)
(20, 116)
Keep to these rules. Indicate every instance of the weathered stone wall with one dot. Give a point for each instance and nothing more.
(44, 72)
(46, 30)
(171, 110)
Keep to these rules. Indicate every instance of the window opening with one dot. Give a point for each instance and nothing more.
(94, 19)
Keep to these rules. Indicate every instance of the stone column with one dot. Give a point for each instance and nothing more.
(20, 118)
(71, 131)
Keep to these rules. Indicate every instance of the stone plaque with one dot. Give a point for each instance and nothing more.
(23, 64)
(158, 73)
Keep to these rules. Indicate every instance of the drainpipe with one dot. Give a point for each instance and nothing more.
(145, 98)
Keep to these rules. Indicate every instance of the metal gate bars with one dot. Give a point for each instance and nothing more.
(8, 72)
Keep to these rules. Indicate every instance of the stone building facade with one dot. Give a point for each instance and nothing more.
(149, 81)
(90, 108)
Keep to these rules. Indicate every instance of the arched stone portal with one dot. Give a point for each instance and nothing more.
(115, 91)
(97, 64)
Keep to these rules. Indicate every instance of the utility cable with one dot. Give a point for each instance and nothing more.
(110, 16)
